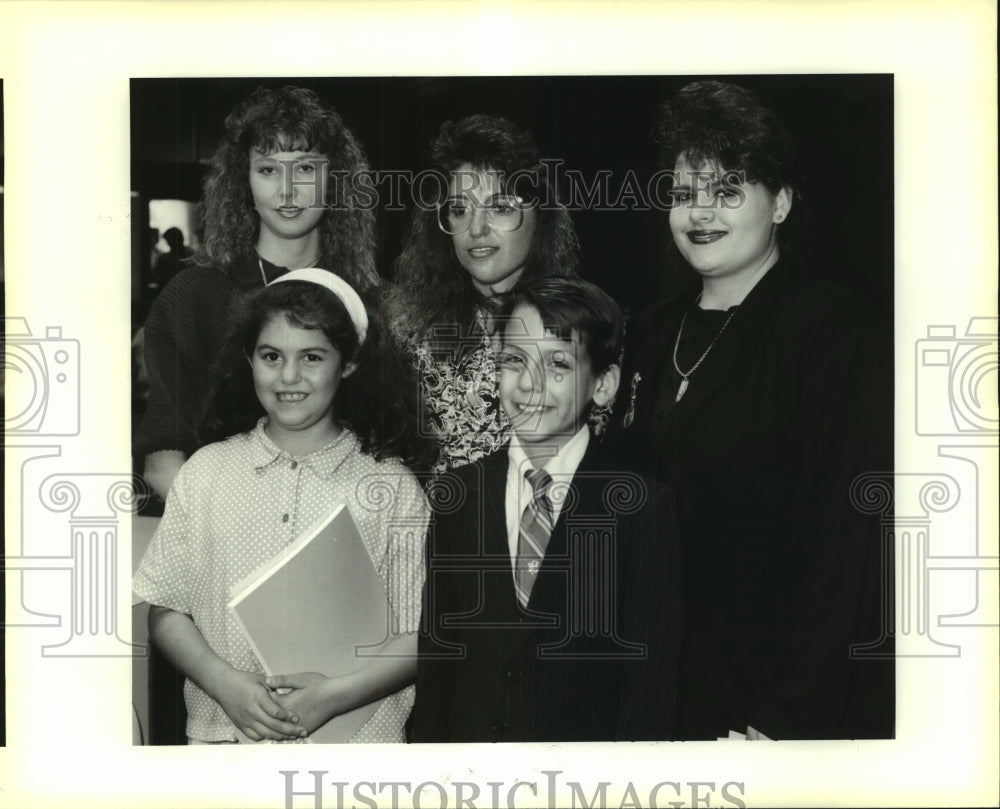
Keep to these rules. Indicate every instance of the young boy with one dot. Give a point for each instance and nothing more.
(551, 601)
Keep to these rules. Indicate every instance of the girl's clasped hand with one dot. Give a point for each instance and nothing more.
(293, 390)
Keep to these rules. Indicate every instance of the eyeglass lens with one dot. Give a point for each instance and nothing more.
(455, 216)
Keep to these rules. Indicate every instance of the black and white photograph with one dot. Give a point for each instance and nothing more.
(522, 433)
(761, 558)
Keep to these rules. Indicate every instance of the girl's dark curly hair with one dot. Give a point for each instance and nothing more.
(377, 402)
(288, 119)
(727, 126)
(431, 286)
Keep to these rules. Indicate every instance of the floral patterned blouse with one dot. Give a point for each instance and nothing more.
(458, 381)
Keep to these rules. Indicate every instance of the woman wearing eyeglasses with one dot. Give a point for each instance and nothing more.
(499, 227)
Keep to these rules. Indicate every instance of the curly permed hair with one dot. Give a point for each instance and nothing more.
(290, 118)
(715, 122)
(377, 402)
(431, 286)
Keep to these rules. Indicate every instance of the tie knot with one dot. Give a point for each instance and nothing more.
(540, 481)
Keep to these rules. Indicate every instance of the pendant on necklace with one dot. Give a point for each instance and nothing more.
(680, 391)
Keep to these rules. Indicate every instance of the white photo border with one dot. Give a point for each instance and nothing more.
(66, 68)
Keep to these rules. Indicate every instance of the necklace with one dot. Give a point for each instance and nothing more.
(263, 275)
(684, 376)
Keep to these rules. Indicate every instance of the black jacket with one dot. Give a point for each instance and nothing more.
(593, 656)
(782, 573)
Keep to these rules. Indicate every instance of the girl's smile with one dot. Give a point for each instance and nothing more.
(296, 373)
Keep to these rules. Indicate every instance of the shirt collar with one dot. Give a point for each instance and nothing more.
(323, 462)
(562, 465)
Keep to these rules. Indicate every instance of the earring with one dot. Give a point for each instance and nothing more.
(778, 217)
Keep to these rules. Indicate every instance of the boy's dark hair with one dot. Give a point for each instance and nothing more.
(377, 402)
(565, 304)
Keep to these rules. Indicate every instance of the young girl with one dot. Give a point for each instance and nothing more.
(298, 390)
(271, 201)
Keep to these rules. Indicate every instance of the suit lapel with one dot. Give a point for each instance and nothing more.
(493, 507)
(498, 584)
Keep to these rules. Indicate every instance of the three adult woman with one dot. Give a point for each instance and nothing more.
(500, 226)
(759, 396)
(268, 206)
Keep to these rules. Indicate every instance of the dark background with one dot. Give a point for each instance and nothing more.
(844, 124)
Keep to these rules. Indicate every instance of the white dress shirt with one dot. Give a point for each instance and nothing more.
(561, 466)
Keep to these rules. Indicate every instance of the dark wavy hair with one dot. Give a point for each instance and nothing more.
(722, 124)
(565, 304)
(288, 119)
(431, 286)
(377, 402)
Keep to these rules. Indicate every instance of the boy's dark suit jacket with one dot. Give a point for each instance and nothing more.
(593, 655)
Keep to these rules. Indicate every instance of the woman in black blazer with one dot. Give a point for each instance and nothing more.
(758, 396)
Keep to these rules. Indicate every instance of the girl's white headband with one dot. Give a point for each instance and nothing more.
(339, 287)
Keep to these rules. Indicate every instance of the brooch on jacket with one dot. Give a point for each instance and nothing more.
(630, 410)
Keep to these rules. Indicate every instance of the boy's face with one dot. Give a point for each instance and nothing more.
(546, 383)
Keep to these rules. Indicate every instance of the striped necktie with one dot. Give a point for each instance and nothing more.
(533, 536)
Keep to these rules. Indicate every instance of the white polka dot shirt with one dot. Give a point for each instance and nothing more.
(236, 504)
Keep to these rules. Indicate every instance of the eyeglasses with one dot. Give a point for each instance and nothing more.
(503, 214)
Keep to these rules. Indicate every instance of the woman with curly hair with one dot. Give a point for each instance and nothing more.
(500, 226)
(758, 395)
(274, 200)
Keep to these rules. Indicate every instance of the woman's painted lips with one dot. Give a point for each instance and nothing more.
(705, 236)
(482, 252)
(290, 212)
